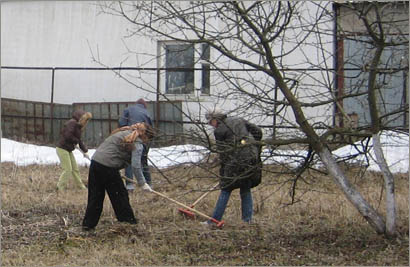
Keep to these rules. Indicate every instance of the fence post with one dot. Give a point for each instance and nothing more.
(157, 107)
(52, 107)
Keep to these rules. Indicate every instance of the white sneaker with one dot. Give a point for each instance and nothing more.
(206, 223)
(130, 187)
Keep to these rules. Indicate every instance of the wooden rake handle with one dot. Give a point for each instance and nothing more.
(204, 195)
(183, 205)
(218, 223)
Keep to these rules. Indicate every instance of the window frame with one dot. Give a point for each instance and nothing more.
(200, 65)
(345, 69)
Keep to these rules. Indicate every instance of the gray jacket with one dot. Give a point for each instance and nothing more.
(114, 154)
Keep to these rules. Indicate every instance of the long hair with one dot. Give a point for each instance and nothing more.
(83, 121)
(140, 130)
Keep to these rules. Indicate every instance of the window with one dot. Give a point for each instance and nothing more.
(206, 73)
(180, 67)
(355, 51)
(179, 56)
(391, 80)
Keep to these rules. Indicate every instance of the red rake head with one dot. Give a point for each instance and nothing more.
(190, 214)
(187, 213)
(220, 224)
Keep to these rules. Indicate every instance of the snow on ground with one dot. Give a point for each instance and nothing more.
(395, 146)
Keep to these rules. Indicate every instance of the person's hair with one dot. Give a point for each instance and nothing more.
(142, 102)
(145, 135)
(149, 132)
(215, 114)
(84, 119)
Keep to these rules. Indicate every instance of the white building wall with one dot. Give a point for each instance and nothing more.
(63, 34)
(69, 34)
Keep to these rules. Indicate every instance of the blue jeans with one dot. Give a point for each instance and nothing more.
(246, 204)
(145, 171)
(145, 168)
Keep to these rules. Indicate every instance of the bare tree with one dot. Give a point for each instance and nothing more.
(285, 56)
(385, 29)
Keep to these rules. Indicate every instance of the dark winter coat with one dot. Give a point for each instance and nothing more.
(70, 134)
(241, 165)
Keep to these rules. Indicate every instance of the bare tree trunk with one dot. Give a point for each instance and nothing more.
(350, 192)
(378, 38)
(371, 216)
(389, 185)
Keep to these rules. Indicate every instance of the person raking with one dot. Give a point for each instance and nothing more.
(122, 148)
(240, 162)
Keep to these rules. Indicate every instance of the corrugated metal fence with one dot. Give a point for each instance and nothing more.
(40, 122)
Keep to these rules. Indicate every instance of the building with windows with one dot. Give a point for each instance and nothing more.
(71, 51)
(355, 51)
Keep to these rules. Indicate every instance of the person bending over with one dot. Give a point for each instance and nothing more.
(122, 148)
(240, 162)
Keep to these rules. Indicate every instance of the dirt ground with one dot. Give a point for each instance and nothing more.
(41, 227)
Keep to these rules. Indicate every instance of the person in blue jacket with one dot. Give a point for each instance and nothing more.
(131, 115)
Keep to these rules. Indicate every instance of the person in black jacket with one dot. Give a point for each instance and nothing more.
(240, 162)
(131, 115)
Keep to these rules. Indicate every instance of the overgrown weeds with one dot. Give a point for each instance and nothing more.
(41, 227)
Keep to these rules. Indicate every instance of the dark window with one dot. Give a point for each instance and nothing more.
(206, 77)
(179, 81)
(180, 64)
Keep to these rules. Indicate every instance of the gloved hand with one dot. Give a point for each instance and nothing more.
(146, 187)
(87, 156)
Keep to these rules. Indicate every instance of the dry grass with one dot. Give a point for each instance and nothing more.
(42, 228)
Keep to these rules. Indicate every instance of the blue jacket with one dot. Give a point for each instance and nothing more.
(134, 114)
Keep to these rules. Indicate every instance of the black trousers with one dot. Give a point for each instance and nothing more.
(100, 179)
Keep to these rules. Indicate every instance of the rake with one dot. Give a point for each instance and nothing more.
(190, 214)
(218, 223)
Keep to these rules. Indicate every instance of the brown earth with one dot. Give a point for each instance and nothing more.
(41, 227)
